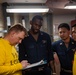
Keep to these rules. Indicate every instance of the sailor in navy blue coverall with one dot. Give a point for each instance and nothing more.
(65, 49)
(36, 47)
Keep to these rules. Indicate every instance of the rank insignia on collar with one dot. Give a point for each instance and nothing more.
(60, 43)
(41, 33)
(74, 49)
(72, 42)
(44, 41)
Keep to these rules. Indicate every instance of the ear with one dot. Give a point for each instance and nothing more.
(31, 22)
(12, 33)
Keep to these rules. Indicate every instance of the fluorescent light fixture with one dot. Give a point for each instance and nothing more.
(27, 9)
(3, 31)
(70, 5)
(8, 21)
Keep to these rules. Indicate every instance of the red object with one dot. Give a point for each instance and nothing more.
(73, 22)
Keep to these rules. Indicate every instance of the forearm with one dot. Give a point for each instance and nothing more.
(10, 69)
(52, 66)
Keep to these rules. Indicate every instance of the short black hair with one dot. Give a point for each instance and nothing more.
(74, 25)
(64, 25)
(37, 17)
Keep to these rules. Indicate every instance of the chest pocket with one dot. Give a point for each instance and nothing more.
(61, 51)
(43, 43)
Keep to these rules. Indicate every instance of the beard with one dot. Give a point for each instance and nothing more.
(35, 31)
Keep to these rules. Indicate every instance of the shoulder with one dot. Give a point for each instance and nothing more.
(44, 34)
(72, 41)
(2, 44)
(2, 41)
(57, 42)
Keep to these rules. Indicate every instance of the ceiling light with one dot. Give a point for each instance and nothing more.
(27, 9)
(70, 5)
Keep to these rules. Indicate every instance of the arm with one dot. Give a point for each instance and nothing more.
(51, 58)
(74, 65)
(9, 63)
(22, 51)
(56, 59)
(10, 69)
(52, 67)
(5, 63)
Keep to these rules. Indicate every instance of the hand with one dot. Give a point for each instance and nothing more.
(24, 63)
(53, 73)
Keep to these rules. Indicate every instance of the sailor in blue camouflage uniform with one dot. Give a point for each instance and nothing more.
(65, 49)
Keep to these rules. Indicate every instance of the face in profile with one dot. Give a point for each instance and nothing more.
(36, 25)
(17, 37)
(64, 33)
(74, 33)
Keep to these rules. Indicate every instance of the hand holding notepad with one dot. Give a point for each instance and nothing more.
(36, 64)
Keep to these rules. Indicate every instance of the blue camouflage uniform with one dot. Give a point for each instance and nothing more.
(66, 55)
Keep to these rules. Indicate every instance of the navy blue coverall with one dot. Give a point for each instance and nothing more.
(66, 55)
(34, 51)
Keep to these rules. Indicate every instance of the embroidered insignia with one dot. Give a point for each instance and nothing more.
(44, 41)
(25, 55)
(72, 42)
(74, 49)
(60, 43)
(41, 33)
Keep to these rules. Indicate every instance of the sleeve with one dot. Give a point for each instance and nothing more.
(50, 52)
(53, 47)
(10, 69)
(22, 51)
(56, 58)
(7, 69)
(74, 65)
